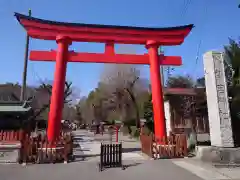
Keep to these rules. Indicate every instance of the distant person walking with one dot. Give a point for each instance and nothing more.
(102, 129)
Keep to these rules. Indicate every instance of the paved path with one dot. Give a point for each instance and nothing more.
(207, 171)
(147, 170)
(89, 146)
(132, 153)
(181, 169)
(138, 167)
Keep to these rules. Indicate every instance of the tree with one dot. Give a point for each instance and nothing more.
(85, 109)
(78, 115)
(180, 82)
(120, 94)
(148, 113)
(200, 82)
(93, 107)
(11, 92)
(69, 112)
(232, 63)
(96, 103)
(124, 84)
(42, 97)
(232, 72)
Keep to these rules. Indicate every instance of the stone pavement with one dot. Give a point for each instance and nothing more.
(132, 152)
(207, 171)
(137, 170)
(89, 146)
(138, 167)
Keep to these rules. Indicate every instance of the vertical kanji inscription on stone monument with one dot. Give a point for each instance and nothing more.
(217, 100)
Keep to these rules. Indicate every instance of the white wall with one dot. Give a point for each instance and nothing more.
(167, 116)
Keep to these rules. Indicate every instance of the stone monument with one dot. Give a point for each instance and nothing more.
(217, 100)
(221, 151)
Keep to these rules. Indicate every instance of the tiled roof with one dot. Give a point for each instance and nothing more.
(21, 16)
(14, 107)
(9, 99)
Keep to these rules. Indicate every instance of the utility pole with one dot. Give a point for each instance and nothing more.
(168, 72)
(161, 68)
(24, 76)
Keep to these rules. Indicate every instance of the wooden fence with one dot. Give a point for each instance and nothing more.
(173, 146)
(37, 149)
(11, 136)
(147, 143)
(40, 150)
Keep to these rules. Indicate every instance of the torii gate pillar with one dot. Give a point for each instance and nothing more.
(57, 98)
(157, 93)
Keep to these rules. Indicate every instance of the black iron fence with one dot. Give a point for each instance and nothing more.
(111, 156)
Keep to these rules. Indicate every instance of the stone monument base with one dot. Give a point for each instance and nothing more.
(219, 156)
(10, 152)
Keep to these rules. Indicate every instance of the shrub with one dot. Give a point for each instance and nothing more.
(150, 125)
(191, 141)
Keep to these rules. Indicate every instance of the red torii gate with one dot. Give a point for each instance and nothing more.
(65, 33)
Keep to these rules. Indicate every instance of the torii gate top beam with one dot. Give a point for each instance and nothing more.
(49, 30)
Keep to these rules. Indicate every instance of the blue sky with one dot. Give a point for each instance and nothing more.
(215, 21)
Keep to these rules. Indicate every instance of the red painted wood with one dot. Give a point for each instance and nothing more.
(153, 37)
(122, 30)
(106, 58)
(109, 49)
(157, 94)
(56, 106)
(41, 29)
(90, 37)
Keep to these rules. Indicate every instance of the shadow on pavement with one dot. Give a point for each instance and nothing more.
(84, 157)
(77, 138)
(126, 150)
(131, 165)
(124, 166)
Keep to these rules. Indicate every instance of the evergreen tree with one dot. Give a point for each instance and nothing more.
(79, 117)
(148, 113)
